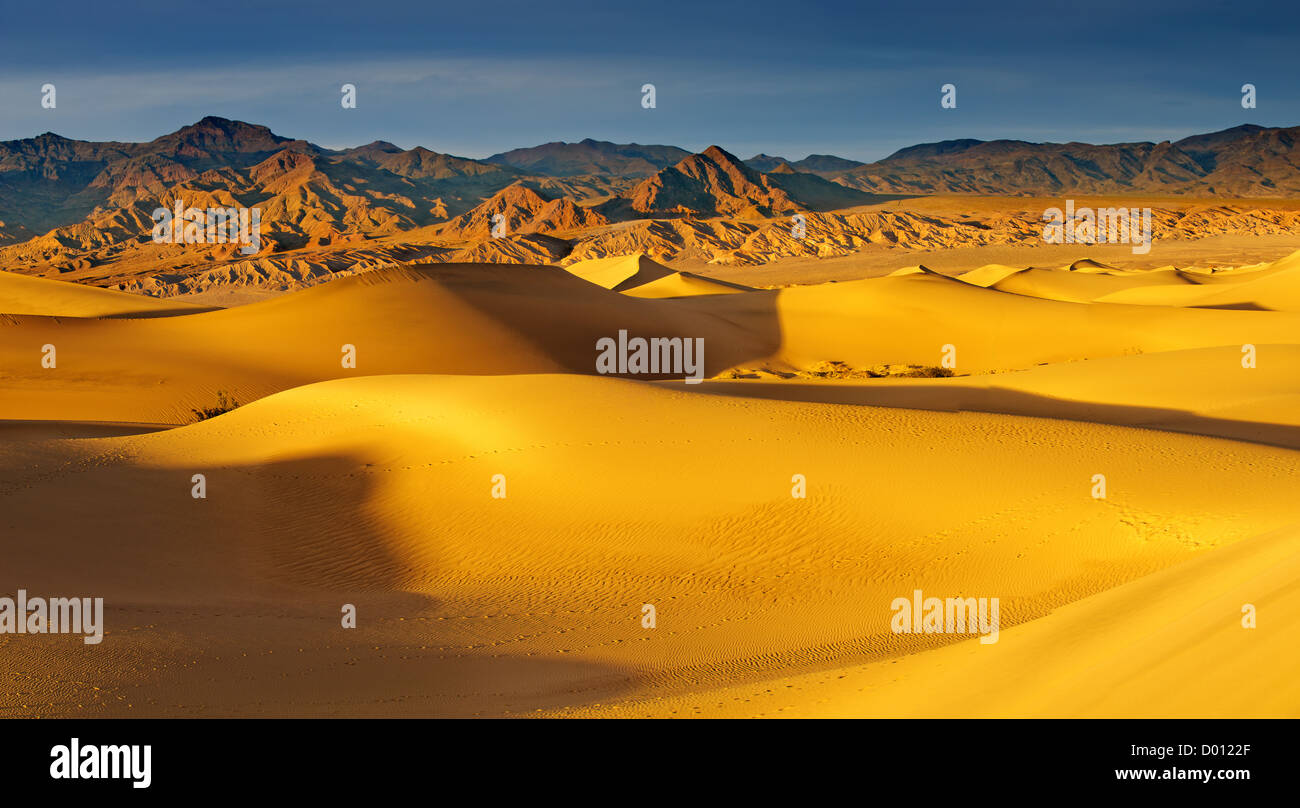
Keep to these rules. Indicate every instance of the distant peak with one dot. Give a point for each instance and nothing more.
(941, 148)
(720, 155)
(283, 161)
(213, 124)
(224, 124)
(383, 145)
(518, 190)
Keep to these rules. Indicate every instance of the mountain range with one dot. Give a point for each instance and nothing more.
(70, 205)
(1245, 161)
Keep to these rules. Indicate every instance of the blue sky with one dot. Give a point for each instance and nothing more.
(854, 79)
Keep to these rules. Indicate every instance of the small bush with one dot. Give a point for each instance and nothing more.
(225, 403)
(928, 372)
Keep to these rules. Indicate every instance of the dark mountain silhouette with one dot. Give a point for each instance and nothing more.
(590, 157)
(1245, 161)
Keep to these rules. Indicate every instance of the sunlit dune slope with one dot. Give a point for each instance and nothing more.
(910, 319)
(640, 276)
(686, 284)
(1203, 391)
(1245, 272)
(1171, 645)
(913, 270)
(988, 274)
(492, 319)
(620, 272)
(443, 318)
(23, 294)
(377, 491)
(1275, 290)
(1273, 286)
(1078, 286)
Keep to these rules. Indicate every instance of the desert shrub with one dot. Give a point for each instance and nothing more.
(225, 403)
(927, 372)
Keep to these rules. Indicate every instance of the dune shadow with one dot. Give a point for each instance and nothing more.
(1234, 307)
(951, 397)
(314, 523)
(155, 313)
(12, 429)
(565, 316)
(238, 598)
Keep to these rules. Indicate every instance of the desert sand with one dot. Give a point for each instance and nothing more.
(373, 486)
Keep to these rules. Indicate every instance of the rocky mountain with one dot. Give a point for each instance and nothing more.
(421, 163)
(1245, 161)
(50, 182)
(521, 210)
(87, 208)
(716, 182)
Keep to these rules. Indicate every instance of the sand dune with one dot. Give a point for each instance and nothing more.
(1245, 272)
(445, 318)
(1089, 265)
(1129, 653)
(638, 275)
(470, 605)
(22, 294)
(373, 486)
(488, 319)
(919, 269)
(988, 274)
(909, 319)
(685, 284)
(1276, 288)
(1203, 391)
(620, 272)
(1080, 286)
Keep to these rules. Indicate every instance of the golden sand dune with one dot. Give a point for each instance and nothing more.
(444, 318)
(1077, 286)
(1203, 391)
(919, 269)
(1270, 286)
(377, 492)
(910, 319)
(988, 274)
(686, 284)
(490, 319)
(1245, 272)
(620, 272)
(640, 276)
(22, 294)
(1170, 645)
(1276, 288)
(1089, 265)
